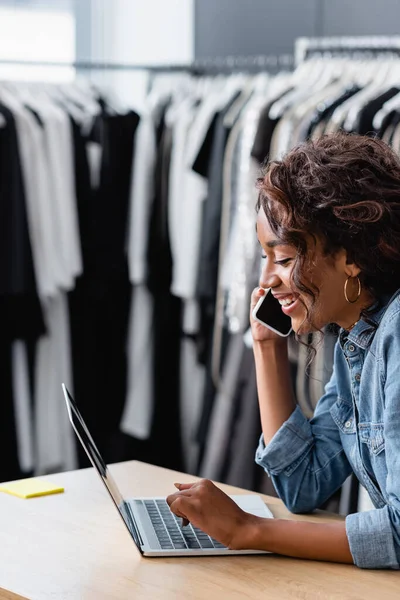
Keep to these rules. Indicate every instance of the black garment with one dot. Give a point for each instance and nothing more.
(83, 188)
(324, 112)
(393, 121)
(165, 437)
(20, 311)
(164, 444)
(386, 122)
(209, 163)
(163, 447)
(99, 306)
(9, 466)
(265, 131)
(366, 115)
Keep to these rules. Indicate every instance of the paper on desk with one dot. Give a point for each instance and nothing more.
(30, 488)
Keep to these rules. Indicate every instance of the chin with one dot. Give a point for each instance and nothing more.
(302, 327)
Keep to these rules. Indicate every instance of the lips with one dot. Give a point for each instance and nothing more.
(288, 302)
(285, 299)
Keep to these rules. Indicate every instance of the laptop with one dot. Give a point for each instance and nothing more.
(155, 530)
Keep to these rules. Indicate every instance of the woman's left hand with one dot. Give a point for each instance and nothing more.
(207, 507)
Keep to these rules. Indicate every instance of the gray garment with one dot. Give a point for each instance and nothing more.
(192, 381)
(245, 428)
(321, 367)
(312, 378)
(219, 432)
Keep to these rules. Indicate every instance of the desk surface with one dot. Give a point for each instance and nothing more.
(74, 546)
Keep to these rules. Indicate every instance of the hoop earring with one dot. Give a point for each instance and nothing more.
(345, 290)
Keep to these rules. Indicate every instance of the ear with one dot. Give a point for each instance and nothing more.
(352, 270)
(345, 263)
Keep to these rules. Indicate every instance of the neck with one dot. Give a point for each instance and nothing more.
(352, 313)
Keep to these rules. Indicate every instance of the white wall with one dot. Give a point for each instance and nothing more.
(152, 31)
(143, 32)
(34, 30)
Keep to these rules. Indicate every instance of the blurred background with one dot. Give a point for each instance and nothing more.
(131, 136)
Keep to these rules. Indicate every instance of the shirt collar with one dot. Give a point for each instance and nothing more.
(365, 329)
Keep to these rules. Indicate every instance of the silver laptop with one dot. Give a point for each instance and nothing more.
(155, 530)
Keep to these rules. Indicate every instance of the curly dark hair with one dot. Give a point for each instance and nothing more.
(345, 190)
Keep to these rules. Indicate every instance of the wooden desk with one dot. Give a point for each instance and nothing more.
(74, 546)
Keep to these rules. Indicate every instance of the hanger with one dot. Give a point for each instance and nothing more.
(379, 81)
(391, 105)
(313, 74)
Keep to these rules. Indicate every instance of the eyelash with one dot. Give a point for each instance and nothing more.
(282, 262)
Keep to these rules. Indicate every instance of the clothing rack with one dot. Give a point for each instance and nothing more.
(355, 47)
(256, 62)
(94, 66)
(199, 66)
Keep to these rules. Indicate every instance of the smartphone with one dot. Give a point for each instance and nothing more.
(268, 312)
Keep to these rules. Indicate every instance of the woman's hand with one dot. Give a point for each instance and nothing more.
(260, 332)
(207, 507)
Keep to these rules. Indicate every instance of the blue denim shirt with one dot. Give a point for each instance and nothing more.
(356, 427)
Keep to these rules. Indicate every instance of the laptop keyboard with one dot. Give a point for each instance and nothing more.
(169, 532)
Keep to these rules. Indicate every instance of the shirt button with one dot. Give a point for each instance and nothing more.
(357, 377)
(348, 424)
(351, 348)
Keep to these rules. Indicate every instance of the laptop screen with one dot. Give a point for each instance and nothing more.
(97, 461)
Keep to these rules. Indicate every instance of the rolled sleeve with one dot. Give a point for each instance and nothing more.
(371, 539)
(289, 446)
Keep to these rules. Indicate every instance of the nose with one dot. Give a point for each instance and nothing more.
(268, 278)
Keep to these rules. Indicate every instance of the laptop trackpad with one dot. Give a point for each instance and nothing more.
(254, 505)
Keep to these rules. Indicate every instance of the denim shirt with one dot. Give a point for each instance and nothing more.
(356, 427)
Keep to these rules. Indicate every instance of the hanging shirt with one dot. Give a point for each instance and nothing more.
(21, 316)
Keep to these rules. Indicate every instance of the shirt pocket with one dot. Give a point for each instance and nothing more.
(372, 434)
(343, 415)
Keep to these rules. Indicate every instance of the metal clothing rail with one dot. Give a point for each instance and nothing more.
(261, 61)
(94, 66)
(214, 64)
(347, 46)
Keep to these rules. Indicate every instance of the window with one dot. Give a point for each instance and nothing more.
(37, 31)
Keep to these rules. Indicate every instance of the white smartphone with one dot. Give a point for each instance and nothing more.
(269, 313)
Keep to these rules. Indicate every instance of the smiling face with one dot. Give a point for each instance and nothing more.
(327, 273)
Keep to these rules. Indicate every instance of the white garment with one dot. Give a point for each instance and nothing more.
(182, 117)
(243, 241)
(22, 406)
(55, 184)
(142, 188)
(364, 501)
(39, 223)
(72, 224)
(48, 175)
(55, 443)
(59, 150)
(54, 436)
(189, 192)
(194, 188)
(138, 411)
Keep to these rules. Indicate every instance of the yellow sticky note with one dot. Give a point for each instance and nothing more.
(30, 488)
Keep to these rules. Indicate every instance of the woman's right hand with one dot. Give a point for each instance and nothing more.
(260, 332)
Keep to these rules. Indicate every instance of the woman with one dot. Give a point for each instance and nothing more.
(329, 224)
